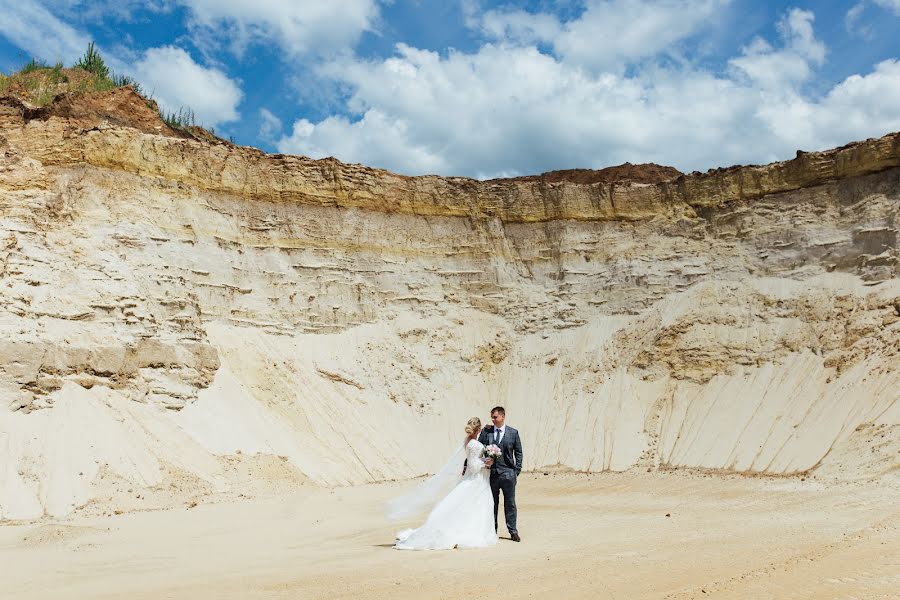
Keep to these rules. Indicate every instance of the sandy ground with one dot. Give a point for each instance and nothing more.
(655, 535)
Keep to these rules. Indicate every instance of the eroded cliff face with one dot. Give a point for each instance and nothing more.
(183, 318)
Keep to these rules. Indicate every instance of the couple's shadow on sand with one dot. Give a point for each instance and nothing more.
(501, 537)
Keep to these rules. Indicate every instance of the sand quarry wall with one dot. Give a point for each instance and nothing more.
(182, 319)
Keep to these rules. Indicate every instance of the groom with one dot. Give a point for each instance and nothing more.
(507, 468)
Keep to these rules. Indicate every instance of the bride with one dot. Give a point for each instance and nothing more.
(464, 518)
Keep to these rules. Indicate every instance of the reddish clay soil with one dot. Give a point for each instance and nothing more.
(625, 173)
(121, 106)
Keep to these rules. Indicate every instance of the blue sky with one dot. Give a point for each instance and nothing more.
(487, 89)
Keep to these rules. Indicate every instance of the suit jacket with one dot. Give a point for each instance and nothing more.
(510, 447)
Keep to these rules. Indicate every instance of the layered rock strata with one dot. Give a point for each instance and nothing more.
(178, 313)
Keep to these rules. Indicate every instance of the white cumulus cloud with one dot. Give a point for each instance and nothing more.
(511, 108)
(298, 27)
(519, 25)
(611, 33)
(890, 4)
(176, 81)
(782, 69)
(852, 21)
(270, 126)
(32, 27)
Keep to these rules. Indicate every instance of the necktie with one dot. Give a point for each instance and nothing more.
(496, 435)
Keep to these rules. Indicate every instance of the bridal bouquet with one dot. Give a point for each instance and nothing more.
(492, 452)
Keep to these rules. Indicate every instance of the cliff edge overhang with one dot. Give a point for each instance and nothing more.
(116, 130)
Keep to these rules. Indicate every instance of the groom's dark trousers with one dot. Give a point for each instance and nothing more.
(504, 473)
(506, 482)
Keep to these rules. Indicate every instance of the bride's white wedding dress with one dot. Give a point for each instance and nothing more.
(464, 518)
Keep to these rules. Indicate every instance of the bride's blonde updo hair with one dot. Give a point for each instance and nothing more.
(473, 426)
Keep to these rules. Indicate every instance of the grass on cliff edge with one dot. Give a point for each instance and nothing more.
(38, 83)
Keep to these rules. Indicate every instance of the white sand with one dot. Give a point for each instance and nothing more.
(584, 537)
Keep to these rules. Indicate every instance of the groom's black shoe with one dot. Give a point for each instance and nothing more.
(515, 537)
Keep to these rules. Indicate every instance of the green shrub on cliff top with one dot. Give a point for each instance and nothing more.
(34, 65)
(92, 62)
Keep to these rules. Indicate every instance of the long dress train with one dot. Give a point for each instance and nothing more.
(464, 518)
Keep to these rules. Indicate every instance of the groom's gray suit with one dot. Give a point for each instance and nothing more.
(504, 472)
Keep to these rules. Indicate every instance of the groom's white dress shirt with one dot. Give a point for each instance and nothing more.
(498, 439)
